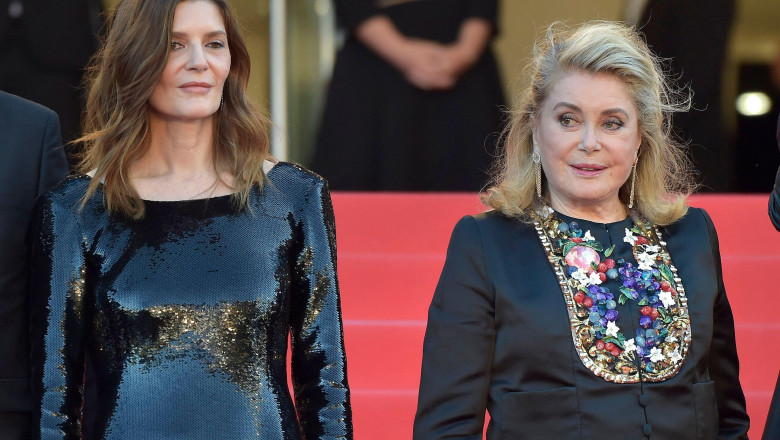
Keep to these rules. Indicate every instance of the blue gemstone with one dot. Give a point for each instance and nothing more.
(563, 227)
(612, 274)
(645, 321)
(594, 309)
(574, 225)
(594, 317)
(576, 232)
(640, 342)
(609, 295)
(650, 333)
(650, 367)
(611, 315)
(611, 304)
(603, 322)
(658, 324)
(600, 296)
(646, 275)
(594, 289)
(599, 335)
(621, 261)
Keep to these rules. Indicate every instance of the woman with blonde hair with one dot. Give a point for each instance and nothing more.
(174, 270)
(562, 311)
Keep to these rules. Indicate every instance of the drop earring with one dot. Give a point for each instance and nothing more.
(538, 171)
(633, 181)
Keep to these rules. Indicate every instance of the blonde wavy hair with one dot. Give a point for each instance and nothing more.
(664, 176)
(120, 80)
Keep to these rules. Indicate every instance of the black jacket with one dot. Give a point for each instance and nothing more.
(31, 161)
(499, 339)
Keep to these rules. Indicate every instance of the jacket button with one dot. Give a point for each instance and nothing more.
(648, 430)
(644, 399)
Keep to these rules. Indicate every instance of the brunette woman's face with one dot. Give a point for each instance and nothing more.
(190, 87)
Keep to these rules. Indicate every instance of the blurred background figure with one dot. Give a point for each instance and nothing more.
(693, 35)
(415, 100)
(44, 47)
(31, 161)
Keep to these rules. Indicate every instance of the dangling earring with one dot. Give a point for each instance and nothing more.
(222, 102)
(538, 170)
(633, 181)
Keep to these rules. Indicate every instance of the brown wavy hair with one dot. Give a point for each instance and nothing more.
(120, 80)
(664, 176)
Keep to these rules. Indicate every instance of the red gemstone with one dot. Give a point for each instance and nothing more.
(646, 310)
(610, 263)
(588, 302)
(602, 267)
(654, 314)
(576, 239)
(600, 344)
(615, 351)
(609, 346)
(641, 240)
(666, 286)
(579, 297)
(602, 276)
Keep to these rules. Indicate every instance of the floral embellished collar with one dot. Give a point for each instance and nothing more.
(662, 337)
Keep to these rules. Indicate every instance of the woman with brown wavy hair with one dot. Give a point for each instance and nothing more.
(174, 270)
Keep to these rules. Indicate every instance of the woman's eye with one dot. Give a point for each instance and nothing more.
(567, 120)
(215, 45)
(613, 124)
(175, 45)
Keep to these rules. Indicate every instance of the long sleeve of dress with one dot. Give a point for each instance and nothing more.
(57, 303)
(318, 359)
(724, 364)
(459, 343)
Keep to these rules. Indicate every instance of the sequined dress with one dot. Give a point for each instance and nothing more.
(182, 319)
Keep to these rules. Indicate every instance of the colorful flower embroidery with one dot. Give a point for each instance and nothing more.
(657, 350)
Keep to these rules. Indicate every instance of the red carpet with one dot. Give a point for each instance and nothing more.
(391, 248)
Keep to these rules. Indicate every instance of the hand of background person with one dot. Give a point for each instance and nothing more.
(426, 64)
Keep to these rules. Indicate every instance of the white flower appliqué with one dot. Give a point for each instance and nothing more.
(629, 238)
(587, 236)
(612, 329)
(630, 346)
(666, 298)
(656, 354)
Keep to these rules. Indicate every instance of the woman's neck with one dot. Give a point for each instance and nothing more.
(178, 163)
(609, 212)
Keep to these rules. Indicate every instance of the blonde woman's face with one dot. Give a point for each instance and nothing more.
(587, 133)
(190, 87)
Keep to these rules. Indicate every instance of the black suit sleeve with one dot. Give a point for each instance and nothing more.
(723, 361)
(774, 198)
(54, 165)
(459, 342)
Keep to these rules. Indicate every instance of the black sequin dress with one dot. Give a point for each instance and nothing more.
(177, 326)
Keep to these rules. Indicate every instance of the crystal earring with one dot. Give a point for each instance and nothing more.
(633, 181)
(538, 171)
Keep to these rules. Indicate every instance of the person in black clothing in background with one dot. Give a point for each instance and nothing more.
(44, 47)
(772, 427)
(415, 98)
(31, 161)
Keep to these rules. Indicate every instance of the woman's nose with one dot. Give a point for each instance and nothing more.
(590, 140)
(197, 59)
